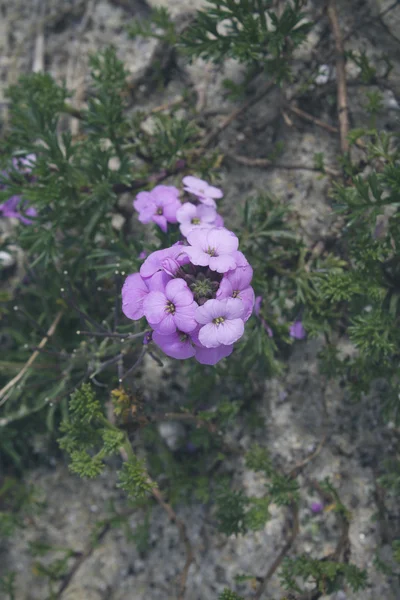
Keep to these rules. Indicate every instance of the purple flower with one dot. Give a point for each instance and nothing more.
(213, 248)
(12, 208)
(191, 217)
(202, 190)
(317, 507)
(297, 331)
(159, 205)
(176, 345)
(236, 284)
(142, 255)
(154, 262)
(172, 309)
(222, 322)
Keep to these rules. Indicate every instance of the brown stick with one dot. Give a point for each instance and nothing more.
(32, 359)
(300, 466)
(183, 537)
(82, 558)
(266, 163)
(307, 117)
(343, 114)
(278, 560)
(126, 451)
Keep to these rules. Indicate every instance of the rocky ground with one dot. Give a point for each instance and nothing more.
(300, 409)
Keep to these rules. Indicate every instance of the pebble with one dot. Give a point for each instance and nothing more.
(6, 259)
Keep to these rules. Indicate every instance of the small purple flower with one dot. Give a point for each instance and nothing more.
(24, 164)
(176, 345)
(222, 322)
(317, 507)
(207, 194)
(192, 217)
(190, 447)
(257, 308)
(236, 284)
(142, 255)
(13, 207)
(257, 305)
(147, 338)
(159, 205)
(172, 309)
(297, 331)
(213, 248)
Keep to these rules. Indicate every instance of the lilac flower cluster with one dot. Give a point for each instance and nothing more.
(196, 295)
(15, 207)
(162, 206)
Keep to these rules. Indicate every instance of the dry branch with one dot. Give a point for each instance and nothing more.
(343, 113)
(31, 360)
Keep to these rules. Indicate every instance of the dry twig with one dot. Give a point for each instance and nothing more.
(341, 78)
(307, 117)
(266, 163)
(38, 57)
(31, 360)
(294, 512)
(183, 537)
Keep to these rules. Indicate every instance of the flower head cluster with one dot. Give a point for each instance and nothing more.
(196, 296)
(162, 206)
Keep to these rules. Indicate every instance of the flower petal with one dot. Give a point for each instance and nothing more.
(222, 264)
(178, 293)
(223, 240)
(241, 277)
(199, 238)
(228, 332)
(209, 311)
(161, 221)
(186, 212)
(158, 281)
(166, 326)
(207, 201)
(225, 289)
(134, 291)
(208, 336)
(247, 296)
(170, 210)
(196, 255)
(174, 345)
(210, 356)
(214, 192)
(154, 306)
(234, 308)
(184, 318)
